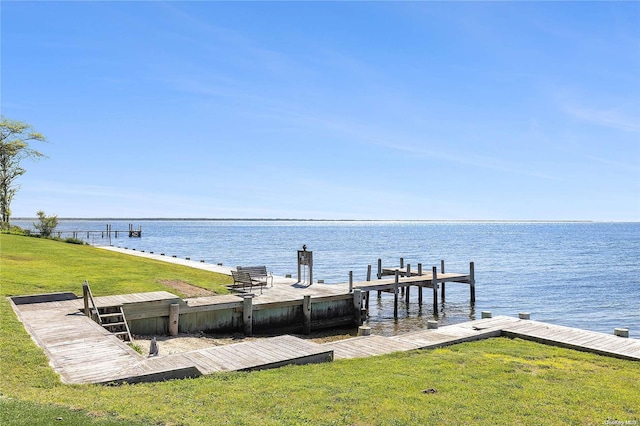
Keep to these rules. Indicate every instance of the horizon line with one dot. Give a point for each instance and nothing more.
(257, 219)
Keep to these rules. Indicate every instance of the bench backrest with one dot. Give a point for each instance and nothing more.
(241, 277)
(255, 271)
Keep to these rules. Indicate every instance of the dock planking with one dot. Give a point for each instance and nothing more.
(81, 351)
(550, 334)
(361, 347)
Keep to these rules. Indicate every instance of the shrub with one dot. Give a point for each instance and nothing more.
(14, 229)
(47, 224)
(74, 241)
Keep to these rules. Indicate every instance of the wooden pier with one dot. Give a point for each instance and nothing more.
(282, 305)
(108, 233)
(405, 277)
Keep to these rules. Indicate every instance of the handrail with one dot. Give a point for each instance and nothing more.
(86, 292)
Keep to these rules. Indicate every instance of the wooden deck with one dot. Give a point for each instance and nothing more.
(81, 351)
(550, 334)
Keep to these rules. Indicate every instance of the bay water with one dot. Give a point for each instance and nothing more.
(578, 274)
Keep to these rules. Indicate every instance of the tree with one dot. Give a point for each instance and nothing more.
(47, 224)
(15, 137)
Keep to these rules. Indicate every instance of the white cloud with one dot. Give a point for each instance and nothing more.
(612, 117)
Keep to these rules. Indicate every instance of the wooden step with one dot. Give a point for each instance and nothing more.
(115, 314)
(113, 324)
(119, 324)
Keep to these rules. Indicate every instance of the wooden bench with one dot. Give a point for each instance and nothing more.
(245, 278)
(258, 274)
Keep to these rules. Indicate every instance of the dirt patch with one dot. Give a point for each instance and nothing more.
(190, 342)
(187, 342)
(187, 289)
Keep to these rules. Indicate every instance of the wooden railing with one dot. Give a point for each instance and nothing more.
(88, 297)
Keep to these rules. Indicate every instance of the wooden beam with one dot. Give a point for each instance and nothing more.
(472, 282)
(357, 306)
(419, 287)
(434, 276)
(306, 310)
(406, 294)
(247, 314)
(442, 271)
(174, 316)
(395, 295)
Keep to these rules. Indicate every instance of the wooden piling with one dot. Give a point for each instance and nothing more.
(442, 272)
(368, 293)
(364, 330)
(85, 296)
(472, 282)
(350, 281)
(621, 332)
(306, 309)
(174, 316)
(379, 276)
(402, 262)
(357, 306)
(434, 282)
(420, 287)
(247, 314)
(395, 295)
(406, 293)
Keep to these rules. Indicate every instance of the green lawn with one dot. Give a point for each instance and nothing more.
(496, 381)
(34, 265)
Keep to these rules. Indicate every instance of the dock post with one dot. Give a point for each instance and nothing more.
(364, 330)
(306, 309)
(621, 332)
(350, 281)
(395, 295)
(357, 306)
(174, 316)
(434, 282)
(472, 282)
(442, 272)
(379, 276)
(406, 294)
(85, 296)
(420, 286)
(368, 293)
(247, 314)
(402, 262)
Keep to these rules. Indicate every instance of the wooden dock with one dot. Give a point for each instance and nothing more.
(550, 334)
(81, 351)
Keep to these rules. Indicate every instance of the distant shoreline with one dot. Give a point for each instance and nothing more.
(205, 219)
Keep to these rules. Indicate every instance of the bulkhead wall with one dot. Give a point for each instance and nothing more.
(325, 313)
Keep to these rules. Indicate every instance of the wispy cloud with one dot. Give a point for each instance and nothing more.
(612, 117)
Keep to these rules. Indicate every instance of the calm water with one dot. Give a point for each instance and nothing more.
(583, 275)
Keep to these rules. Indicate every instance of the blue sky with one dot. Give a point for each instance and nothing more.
(327, 110)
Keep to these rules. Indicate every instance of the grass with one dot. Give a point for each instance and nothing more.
(37, 265)
(496, 381)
